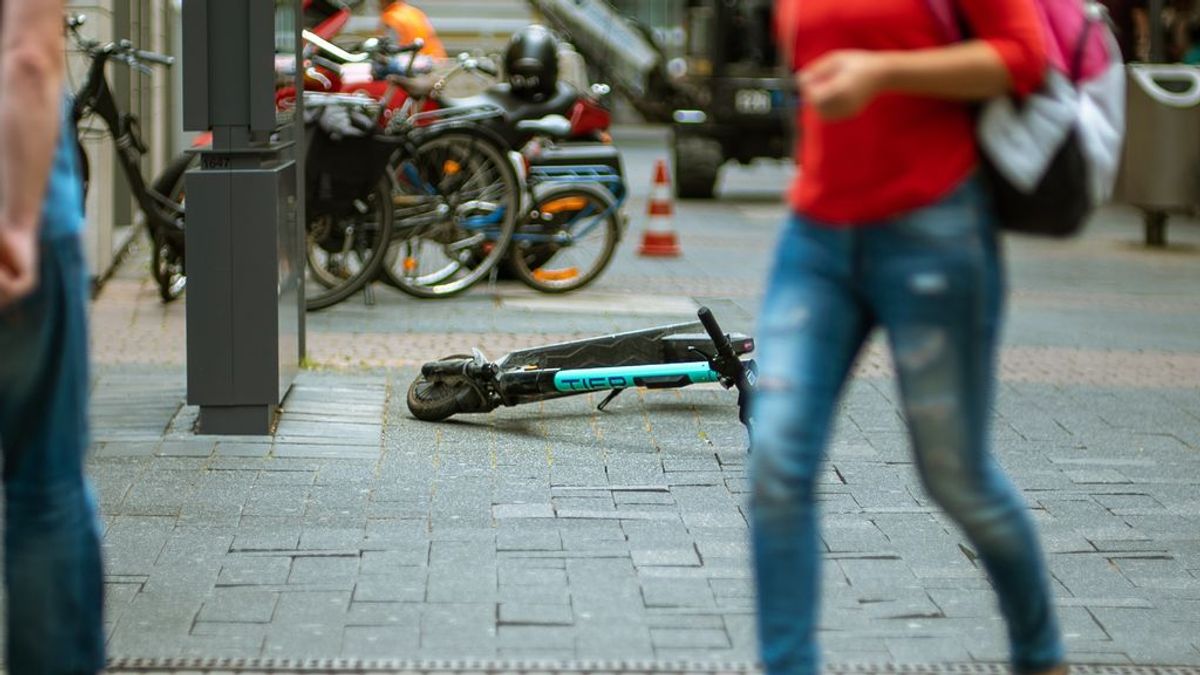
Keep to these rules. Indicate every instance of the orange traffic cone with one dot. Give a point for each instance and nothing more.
(659, 239)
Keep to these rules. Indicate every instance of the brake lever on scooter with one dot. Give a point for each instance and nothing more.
(729, 366)
(744, 379)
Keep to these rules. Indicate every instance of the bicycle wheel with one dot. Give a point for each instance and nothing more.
(456, 203)
(345, 251)
(167, 254)
(568, 238)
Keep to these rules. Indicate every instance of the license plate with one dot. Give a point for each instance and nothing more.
(752, 101)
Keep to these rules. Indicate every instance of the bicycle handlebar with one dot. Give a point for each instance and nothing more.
(483, 65)
(154, 57)
(390, 49)
(122, 50)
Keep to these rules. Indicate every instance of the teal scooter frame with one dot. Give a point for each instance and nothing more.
(666, 357)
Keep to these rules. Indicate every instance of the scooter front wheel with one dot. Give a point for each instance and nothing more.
(433, 399)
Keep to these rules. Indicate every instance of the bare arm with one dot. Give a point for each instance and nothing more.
(31, 57)
(31, 74)
(967, 71)
(1007, 55)
(842, 83)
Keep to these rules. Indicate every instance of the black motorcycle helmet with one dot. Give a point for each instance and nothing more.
(531, 62)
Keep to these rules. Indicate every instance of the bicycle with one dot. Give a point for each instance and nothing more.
(666, 357)
(347, 199)
(569, 236)
(162, 203)
(454, 187)
(572, 223)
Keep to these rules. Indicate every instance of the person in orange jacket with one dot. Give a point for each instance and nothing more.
(407, 23)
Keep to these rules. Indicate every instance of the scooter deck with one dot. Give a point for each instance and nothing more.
(662, 344)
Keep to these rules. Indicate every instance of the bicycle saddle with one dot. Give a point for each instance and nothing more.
(519, 109)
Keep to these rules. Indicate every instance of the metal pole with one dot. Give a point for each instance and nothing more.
(300, 153)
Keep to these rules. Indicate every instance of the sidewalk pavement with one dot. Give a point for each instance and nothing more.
(557, 532)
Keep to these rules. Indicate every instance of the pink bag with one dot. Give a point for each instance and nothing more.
(1053, 157)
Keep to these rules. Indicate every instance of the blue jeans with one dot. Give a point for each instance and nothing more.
(933, 280)
(51, 538)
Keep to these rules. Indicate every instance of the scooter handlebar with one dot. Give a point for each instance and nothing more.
(720, 339)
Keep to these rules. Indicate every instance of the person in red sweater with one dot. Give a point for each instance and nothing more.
(891, 228)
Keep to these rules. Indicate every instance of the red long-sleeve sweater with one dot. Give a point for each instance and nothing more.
(902, 152)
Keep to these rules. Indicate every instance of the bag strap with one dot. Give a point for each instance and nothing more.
(1089, 24)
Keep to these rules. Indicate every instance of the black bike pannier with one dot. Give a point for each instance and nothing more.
(340, 171)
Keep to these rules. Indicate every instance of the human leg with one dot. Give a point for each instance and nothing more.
(810, 331)
(938, 289)
(52, 548)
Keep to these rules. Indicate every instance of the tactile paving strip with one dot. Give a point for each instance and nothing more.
(201, 666)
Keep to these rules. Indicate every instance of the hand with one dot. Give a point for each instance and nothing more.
(842, 83)
(18, 263)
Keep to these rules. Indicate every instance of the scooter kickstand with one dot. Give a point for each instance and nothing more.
(608, 399)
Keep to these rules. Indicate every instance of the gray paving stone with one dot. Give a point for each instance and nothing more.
(267, 534)
(468, 626)
(336, 570)
(529, 540)
(472, 585)
(657, 618)
(504, 511)
(239, 605)
(689, 638)
(1096, 476)
(313, 607)
(382, 642)
(387, 562)
(303, 641)
(677, 593)
(670, 557)
(383, 614)
(928, 650)
(127, 448)
(287, 476)
(554, 637)
(132, 543)
(254, 570)
(521, 573)
(277, 500)
(331, 539)
(242, 449)
(530, 614)
(404, 585)
(243, 645)
(198, 448)
(613, 638)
